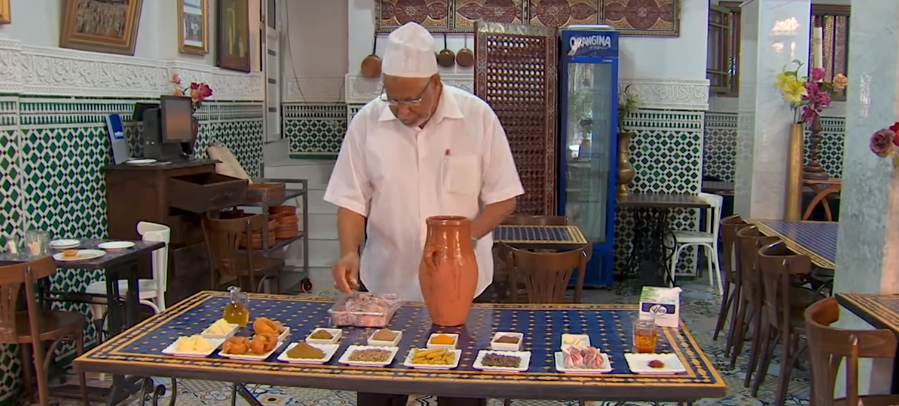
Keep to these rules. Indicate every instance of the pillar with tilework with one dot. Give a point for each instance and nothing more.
(868, 238)
(773, 33)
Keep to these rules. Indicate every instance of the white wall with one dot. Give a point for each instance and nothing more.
(37, 22)
(680, 57)
(314, 49)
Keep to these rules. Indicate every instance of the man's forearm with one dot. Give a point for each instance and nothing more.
(491, 216)
(350, 230)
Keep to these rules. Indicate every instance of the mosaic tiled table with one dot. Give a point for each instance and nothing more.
(553, 237)
(880, 311)
(818, 240)
(138, 351)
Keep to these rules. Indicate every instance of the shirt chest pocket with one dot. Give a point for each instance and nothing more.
(462, 174)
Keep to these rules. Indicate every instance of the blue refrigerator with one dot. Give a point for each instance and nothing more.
(588, 144)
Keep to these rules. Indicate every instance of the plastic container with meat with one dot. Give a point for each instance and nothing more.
(364, 310)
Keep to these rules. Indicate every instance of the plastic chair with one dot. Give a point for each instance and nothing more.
(707, 238)
(152, 291)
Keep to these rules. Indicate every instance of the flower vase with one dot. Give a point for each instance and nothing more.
(793, 200)
(626, 172)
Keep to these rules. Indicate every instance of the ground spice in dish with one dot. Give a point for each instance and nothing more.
(370, 355)
(305, 351)
(500, 361)
(442, 339)
(384, 335)
(507, 340)
(656, 364)
(321, 335)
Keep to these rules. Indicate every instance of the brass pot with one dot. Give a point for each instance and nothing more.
(626, 172)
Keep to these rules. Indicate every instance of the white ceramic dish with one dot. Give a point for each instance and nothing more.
(408, 362)
(64, 244)
(328, 349)
(506, 346)
(452, 346)
(229, 334)
(173, 350)
(560, 366)
(577, 340)
(253, 357)
(394, 343)
(523, 365)
(345, 358)
(336, 333)
(83, 255)
(140, 161)
(639, 364)
(115, 245)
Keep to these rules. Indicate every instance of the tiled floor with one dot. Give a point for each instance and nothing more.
(699, 312)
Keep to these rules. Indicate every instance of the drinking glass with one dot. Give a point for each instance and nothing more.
(37, 243)
(646, 335)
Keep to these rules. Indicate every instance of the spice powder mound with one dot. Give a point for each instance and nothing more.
(321, 335)
(507, 340)
(369, 355)
(500, 361)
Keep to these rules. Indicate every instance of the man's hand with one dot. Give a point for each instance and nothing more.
(346, 273)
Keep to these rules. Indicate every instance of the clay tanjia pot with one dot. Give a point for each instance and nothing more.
(448, 274)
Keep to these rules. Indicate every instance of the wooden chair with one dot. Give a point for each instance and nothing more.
(749, 240)
(500, 273)
(30, 329)
(546, 274)
(783, 307)
(730, 300)
(227, 262)
(828, 347)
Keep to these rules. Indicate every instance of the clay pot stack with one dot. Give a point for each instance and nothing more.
(256, 236)
(288, 224)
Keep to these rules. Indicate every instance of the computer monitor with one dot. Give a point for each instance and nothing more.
(175, 119)
(140, 109)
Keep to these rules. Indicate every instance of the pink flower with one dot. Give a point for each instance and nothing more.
(818, 74)
(809, 113)
(199, 92)
(881, 143)
(840, 81)
(811, 87)
(823, 99)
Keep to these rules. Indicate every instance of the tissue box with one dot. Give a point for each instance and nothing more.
(661, 303)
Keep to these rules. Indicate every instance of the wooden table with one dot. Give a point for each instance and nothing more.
(718, 187)
(880, 311)
(138, 351)
(818, 240)
(540, 237)
(822, 188)
(121, 314)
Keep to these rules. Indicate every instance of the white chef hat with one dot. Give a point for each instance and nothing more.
(410, 53)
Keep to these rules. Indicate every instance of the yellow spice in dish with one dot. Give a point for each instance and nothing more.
(442, 339)
(384, 335)
(321, 335)
(194, 343)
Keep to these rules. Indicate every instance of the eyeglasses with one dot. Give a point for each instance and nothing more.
(407, 102)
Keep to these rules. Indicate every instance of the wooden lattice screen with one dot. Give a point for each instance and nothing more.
(516, 73)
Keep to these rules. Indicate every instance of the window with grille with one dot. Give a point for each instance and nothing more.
(723, 63)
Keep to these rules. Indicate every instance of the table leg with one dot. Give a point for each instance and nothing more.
(158, 392)
(115, 312)
(245, 393)
(895, 385)
(648, 253)
(132, 297)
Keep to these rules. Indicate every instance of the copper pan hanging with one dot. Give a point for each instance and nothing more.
(446, 58)
(371, 64)
(465, 56)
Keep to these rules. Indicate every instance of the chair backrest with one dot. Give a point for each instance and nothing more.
(158, 233)
(713, 213)
(729, 227)
(829, 346)
(546, 274)
(12, 276)
(223, 238)
(778, 267)
(749, 240)
(526, 220)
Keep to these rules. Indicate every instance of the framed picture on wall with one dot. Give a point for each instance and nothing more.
(4, 12)
(193, 32)
(108, 26)
(232, 35)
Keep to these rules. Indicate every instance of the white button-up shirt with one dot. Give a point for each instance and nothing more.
(398, 176)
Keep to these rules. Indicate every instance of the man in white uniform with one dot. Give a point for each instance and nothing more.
(419, 150)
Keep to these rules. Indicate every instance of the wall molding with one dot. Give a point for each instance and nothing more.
(33, 70)
(661, 94)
